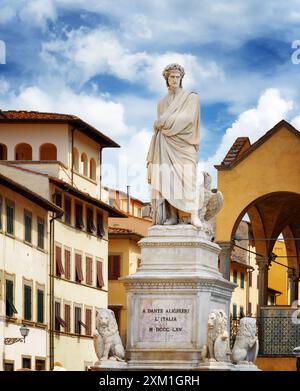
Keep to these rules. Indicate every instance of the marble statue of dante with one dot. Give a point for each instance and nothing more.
(172, 156)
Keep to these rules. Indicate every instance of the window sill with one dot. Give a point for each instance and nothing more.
(83, 231)
(10, 319)
(80, 284)
(85, 177)
(28, 322)
(40, 325)
(10, 235)
(28, 243)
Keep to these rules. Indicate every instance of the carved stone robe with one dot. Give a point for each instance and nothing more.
(172, 156)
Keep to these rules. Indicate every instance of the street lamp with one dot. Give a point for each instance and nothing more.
(24, 332)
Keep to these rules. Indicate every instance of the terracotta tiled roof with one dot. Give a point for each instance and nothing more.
(35, 115)
(75, 122)
(236, 150)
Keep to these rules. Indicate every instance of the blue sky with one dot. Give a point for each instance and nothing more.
(102, 60)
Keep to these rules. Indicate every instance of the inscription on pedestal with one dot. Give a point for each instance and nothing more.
(166, 320)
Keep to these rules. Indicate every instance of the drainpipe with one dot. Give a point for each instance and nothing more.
(72, 156)
(51, 295)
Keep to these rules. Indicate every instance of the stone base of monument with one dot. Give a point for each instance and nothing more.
(246, 367)
(170, 297)
(215, 366)
(108, 365)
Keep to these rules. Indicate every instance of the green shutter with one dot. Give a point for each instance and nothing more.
(242, 280)
(27, 302)
(28, 224)
(41, 233)
(10, 219)
(235, 276)
(40, 306)
(9, 297)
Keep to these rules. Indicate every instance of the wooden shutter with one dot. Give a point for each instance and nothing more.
(10, 218)
(41, 233)
(88, 321)
(67, 264)
(77, 325)
(68, 210)
(79, 216)
(9, 297)
(28, 226)
(78, 268)
(249, 309)
(250, 279)
(89, 272)
(57, 315)
(68, 318)
(27, 302)
(100, 227)
(114, 267)
(90, 220)
(100, 281)
(40, 306)
(59, 265)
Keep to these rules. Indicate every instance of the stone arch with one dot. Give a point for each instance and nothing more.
(75, 159)
(84, 164)
(3, 152)
(48, 151)
(93, 169)
(23, 151)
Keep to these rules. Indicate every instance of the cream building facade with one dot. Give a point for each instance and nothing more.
(62, 156)
(23, 275)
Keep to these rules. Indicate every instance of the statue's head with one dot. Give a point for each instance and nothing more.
(173, 74)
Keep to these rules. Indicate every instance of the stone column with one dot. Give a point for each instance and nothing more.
(263, 267)
(225, 254)
(294, 281)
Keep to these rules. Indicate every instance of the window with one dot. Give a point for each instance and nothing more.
(75, 159)
(26, 362)
(242, 282)
(88, 321)
(59, 265)
(84, 165)
(10, 308)
(93, 169)
(117, 313)
(10, 211)
(250, 278)
(100, 228)
(58, 320)
(90, 227)
(41, 232)
(67, 264)
(23, 152)
(235, 276)
(89, 271)
(8, 366)
(114, 267)
(139, 212)
(68, 210)
(40, 364)
(242, 312)
(28, 226)
(79, 216)
(58, 198)
(3, 152)
(77, 325)
(27, 302)
(1, 214)
(68, 318)
(139, 263)
(234, 311)
(40, 306)
(48, 152)
(100, 281)
(78, 268)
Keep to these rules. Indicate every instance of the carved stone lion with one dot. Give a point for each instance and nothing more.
(245, 348)
(217, 345)
(107, 341)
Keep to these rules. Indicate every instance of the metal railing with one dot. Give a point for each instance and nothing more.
(278, 335)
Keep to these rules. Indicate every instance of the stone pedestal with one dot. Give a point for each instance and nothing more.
(170, 297)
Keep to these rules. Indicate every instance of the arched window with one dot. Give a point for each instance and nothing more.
(75, 159)
(3, 152)
(84, 164)
(23, 152)
(48, 152)
(93, 169)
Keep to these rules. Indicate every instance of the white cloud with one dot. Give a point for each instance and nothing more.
(252, 123)
(105, 115)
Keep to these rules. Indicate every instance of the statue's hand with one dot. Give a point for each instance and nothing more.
(158, 124)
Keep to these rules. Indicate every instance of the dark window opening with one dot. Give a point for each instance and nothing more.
(90, 220)
(100, 227)
(79, 216)
(114, 267)
(41, 233)
(68, 210)
(28, 226)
